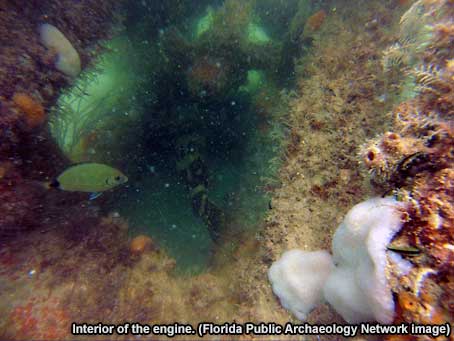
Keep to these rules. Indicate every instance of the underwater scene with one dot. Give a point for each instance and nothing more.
(227, 170)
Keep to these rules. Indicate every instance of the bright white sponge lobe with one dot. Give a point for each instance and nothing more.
(359, 253)
(297, 279)
(354, 281)
(68, 60)
(343, 293)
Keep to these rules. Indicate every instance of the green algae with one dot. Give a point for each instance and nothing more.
(256, 34)
(205, 23)
(255, 80)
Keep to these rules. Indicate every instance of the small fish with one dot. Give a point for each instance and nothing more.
(404, 249)
(89, 177)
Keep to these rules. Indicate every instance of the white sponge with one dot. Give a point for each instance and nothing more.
(297, 279)
(68, 60)
(359, 249)
(342, 284)
(355, 285)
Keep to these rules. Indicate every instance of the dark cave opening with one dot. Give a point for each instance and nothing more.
(194, 118)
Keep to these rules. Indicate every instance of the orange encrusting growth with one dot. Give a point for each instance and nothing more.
(316, 20)
(140, 244)
(35, 321)
(33, 111)
(408, 302)
(403, 2)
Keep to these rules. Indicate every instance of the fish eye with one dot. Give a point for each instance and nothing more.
(117, 178)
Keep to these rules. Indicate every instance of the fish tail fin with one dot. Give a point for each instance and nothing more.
(49, 184)
(94, 195)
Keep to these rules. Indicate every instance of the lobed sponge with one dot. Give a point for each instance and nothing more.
(359, 245)
(344, 294)
(298, 278)
(68, 60)
(356, 285)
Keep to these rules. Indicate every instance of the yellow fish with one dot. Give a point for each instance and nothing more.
(89, 177)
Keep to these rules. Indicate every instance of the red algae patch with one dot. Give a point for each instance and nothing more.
(32, 110)
(40, 321)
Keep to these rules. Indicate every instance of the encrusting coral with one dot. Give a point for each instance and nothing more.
(416, 160)
(33, 111)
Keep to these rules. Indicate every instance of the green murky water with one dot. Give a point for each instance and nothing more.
(188, 103)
